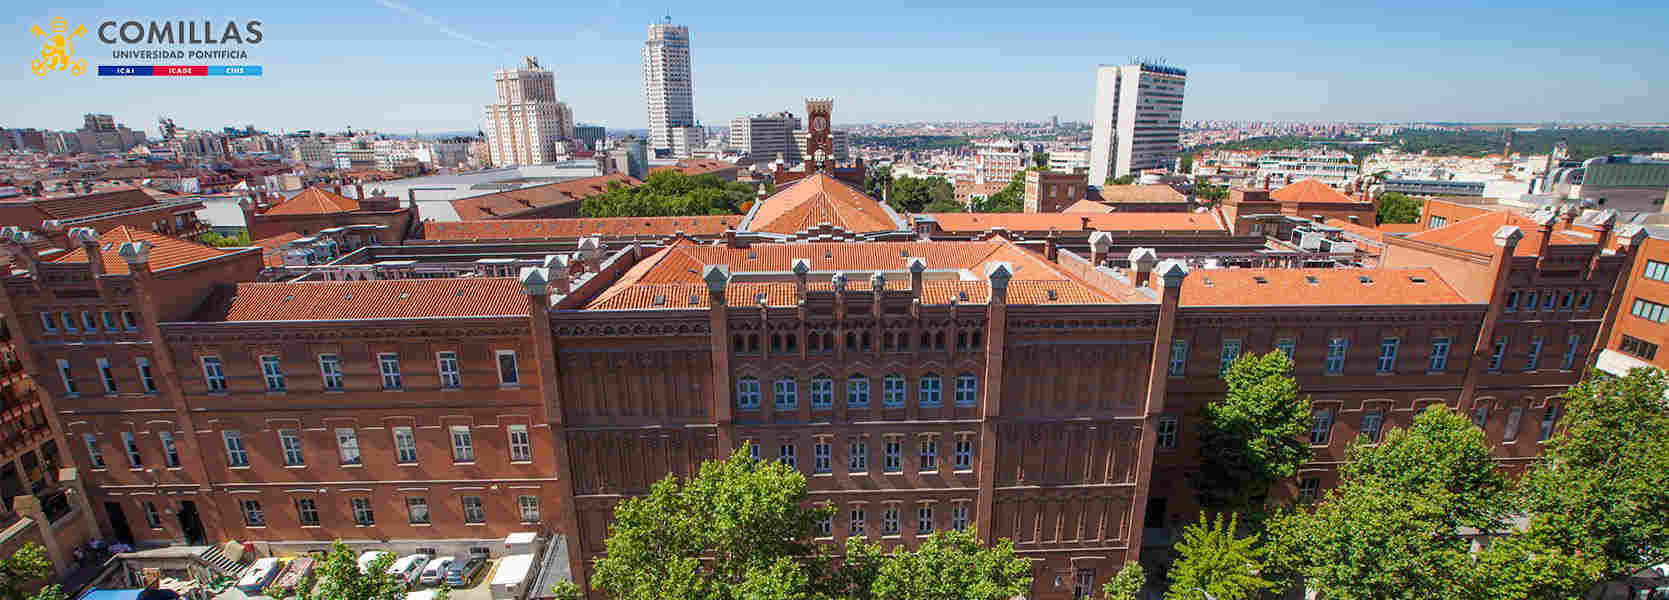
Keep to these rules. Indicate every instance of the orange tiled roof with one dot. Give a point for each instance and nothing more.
(271, 247)
(1401, 228)
(166, 252)
(1316, 287)
(506, 204)
(706, 225)
(70, 207)
(1371, 233)
(381, 299)
(1140, 193)
(1309, 191)
(314, 201)
(1477, 234)
(1088, 206)
(1118, 221)
(820, 198)
(674, 274)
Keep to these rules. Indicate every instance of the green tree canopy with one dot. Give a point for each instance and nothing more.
(338, 577)
(1395, 207)
(1012, 198)
(916, 194)
(1252, 437)
(1040, 159)
(1127, 584)
(24, 568)
(670, 194)
(1212, 558)
(1122, 180)
(951, 565)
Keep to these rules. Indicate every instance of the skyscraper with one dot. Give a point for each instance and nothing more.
(1137, 120)
(666, 85)
(528, 125)
(764, 137)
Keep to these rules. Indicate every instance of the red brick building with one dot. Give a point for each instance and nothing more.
(1050, 192)
(374, 218)
(922, 378)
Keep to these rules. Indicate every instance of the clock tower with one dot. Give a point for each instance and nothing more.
(819, 150)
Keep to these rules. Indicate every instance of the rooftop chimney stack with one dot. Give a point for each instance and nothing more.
(1100, 245)
(1142, 261)
(918, 267)
(802, 270)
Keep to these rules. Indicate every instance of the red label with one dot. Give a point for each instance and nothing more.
(180, 70)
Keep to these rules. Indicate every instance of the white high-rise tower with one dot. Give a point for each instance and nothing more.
(667, 88)
(528, 125)
(1138, 119)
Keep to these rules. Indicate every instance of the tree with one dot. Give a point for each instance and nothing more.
(876, 179)
(914, 194)
(223, 241)
(951, 565)
(1123, 180)
(738, 529)
(1010, 199)
(1602, 486)
(338, 577)
(1185, 166)
(1395, 207)
(1253, 437)
(1040, 159)
(25, 567)
(564, 590)
(48, 592)
(670, 194)
(1211, 558)
(1127, 584)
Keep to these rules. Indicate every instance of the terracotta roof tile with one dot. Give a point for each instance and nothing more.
(706, 225)
(166, 252)
(820, 198)
(1121, 221)
(1139, 193)
(272, 247)
(1088, 206)
(380, 299)
(1477, 234)
(314, 201)
(1309, 191)
(1316, 287)
(506, 204)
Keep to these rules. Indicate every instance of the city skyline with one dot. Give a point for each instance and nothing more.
(418, 67)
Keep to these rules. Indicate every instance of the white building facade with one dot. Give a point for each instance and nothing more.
(1331, 167)
(1137, 121)
(667, 89)
(764, 136)
(528, 125)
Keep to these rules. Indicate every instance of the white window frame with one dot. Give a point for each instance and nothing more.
(330, 372)
(307, 515)
(1338, 349)
(347, 446)
(788, 454)
(365, 515)
(475, 510)
(106, 375)
(1498, 355)
(514, 376)
(1533, 360)
(857, 456)
(1166, 432)
(147, 379)
(1439, 360)
(1231, 351)
(529, 506)
(959, 516)
(967, 390)
(131, 446)
(463, 444)
(289, 443)
(521, 450)
(388, 365)
(785, 393)
(1515, 419)
(272, 372)
(1388, 349)
(1179, 358)
(253, 515)
(1568, 361)
(747, 393)
(822, 457)
(417, 510)
(66, 319)
(929, 391)
(48, 324)
(1549, 423)
(153, 518)
(889, 520)
(66, 375)
(895, 391)
(409, 444)
(1373, 425)
(855, 522)
(446, 363)
(893, 459)
(94, 453)
(170, 452)
(924, 519)
(857, 391)
(822, 392)
(927, 460)
(214, 372)
(1321, 427)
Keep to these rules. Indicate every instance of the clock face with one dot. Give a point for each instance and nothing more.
(819, 123)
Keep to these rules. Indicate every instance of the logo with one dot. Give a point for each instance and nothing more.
(57, 52)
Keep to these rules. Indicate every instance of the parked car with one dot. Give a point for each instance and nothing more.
(367, 557)
(408, 567)
(461, 574)
(436, 570)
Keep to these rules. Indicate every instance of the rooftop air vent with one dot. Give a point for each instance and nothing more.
(659, 300)
(1364, 279)
(1416, 279)
(1052, 295)
(1260, 279)
(1311, 279)
(694, 300)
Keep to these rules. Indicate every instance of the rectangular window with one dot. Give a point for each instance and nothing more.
(1336, 348)
(857, 458)
(153, 519)
(330, 368)
(94, 455)
(389, 364)
(405, 446)
(964, 455)
(1550, 417)
(48, 324)
(1549, 299)
(825, 526)
(1514, 417)
(507, 371)
(129, 322)
(474, 512)
(106, 375)
(1436, 222)
(1651, 311)
(959, 517)
(1231, 351)
(132, 447)
(747, 393)
(1372, 422)
(252, 515)
(1167, 432)
(928, 392)
(785, 393)
(1512, 301)
(1569, 359)
(1179, 358)
(170, 453)
(929, 458)
(146, 378)
(785, 454)
(822, 393)
(88, 323)
(1321, 428)
(1656, 271)
(1309, 489)
(110, 322)
(68, 321)
(213, 375)
(894, 391)
(1585, 300)
(889, 521)
(1388, 355)
(67, 376)
(1498, 354)
(307, 513)
(1530, 298)
(463, 444)
(236, 455)
(857, 391)
(822, 457)
(856, 522)
(347, 443)
(1638, 347)
(363, 515)
(924, 519)
(1534, 359)
(1566, 299)
(448, 362)
(529, 506)
(417, 510)
(521, 445)
(290, 443)
(967, 390)
(273, 373)
(1480, 416)
(1439, 355)
(1287, 346)
(753, 450)
(893, 461)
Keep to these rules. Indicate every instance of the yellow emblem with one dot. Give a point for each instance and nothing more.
(57, 52)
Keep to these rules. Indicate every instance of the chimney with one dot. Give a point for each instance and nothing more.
(1356, 219)
(359, 190)
(591, 251)
(1544, 224)
(730, 240)
(917, 266)
(1606, 223)
(336, 189)
(877, 288)
(1318, 218)
(556, 271)
(89, 241)
(1100, 245)
(1083, 223)
(1051, 249)
(1142, 261)
(802, 269)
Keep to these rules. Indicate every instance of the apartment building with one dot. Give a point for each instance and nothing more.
(1137, 122)
(764, 137)
(528, 124)
(925, 372)
(667, 88)
(1334, 168)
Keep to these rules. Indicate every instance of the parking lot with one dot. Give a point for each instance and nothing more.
(477, 590)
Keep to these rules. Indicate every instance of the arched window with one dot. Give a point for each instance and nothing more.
(747, 393)
(928, 390)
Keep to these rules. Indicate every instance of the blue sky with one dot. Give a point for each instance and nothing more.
(369, 64)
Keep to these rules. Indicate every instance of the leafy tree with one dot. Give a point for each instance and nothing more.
(1012, 198)
(224, 241)
(1253, 437)
(1212, 558)
(670, 194)
(25, 567)
(944, 206)
(563, 590)
(738, 529)
(875, 181)
(1122, 180)
(49, 592)
(1040, 159)
(951, 565)
(1213, 194)
(338, 577)
(1602, 486)
(1127, 584)
(915, 194)
(1186, 164)
(1395, 207)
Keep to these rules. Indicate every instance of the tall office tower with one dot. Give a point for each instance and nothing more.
(764, 137)
(666, 84)
(1137, 120)
(527, 124)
